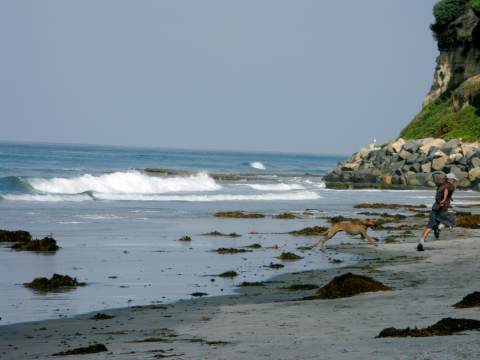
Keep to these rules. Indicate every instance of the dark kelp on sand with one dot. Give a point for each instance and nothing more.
(224, 251)
(228, 274)
(310, 231)
(289, 256)
(56, 282)
(467, 220)
(285, 216)
(444, 327)
(92, 349)
(388, 206)
(348, 285)
(102, 316)
(469, 301)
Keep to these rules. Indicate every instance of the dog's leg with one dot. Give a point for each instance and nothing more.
(330, 234)
(370, 239)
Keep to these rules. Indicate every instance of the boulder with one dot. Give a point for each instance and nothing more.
(426, 168)
(397, 145)
(412, 158)
(412, 178)
(451, 147)
(475, 162)
(474, 174)
(428, 143)
(439, 163)
(424, 179)
(459, 173)
(404, 154)
(411, 146)
(468, 147)
(416, 168)
(438, 177)
(350, 166)
(363, 153)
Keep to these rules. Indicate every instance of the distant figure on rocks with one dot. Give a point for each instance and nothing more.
(439, 215)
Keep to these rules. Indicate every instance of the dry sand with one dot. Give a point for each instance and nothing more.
(266, 322)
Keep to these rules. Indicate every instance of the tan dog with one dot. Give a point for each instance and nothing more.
(352, 228)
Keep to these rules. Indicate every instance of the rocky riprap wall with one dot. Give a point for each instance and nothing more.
(409, 164)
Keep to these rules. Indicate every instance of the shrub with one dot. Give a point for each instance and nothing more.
(446, 11)
(475, 5)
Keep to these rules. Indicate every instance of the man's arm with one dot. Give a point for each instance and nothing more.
(445, 196)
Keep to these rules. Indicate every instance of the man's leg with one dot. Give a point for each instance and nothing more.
(425, 234)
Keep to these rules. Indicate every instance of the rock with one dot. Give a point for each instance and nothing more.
(238, 215)
(15, 236)
(428, 143)
(423, 179)
(469, 301)
(458, 172)
(397, 145)
(45, 244)
(412, 178)
(469, 147)
(404, 154)
(426, 168)
(411, 146)
(310, 231)
(56, 282)
(185, 238)
(439, 163)
(412, 159)
(350, 166)
(439, 177)
(289, 256)
(363, 153)
(474, 174)
(475, 161)
(451, 147)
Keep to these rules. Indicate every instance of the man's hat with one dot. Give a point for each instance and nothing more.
(452, 176)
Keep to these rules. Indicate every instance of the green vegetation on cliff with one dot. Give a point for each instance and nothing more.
(438, 119)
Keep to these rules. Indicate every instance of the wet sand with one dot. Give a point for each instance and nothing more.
(268, 322)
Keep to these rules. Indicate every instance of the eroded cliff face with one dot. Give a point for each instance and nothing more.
(459, 59)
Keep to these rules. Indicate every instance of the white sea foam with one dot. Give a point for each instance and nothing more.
(46, 197)
(131, 182)
(301, 195)
(257, 165)
(276, 187)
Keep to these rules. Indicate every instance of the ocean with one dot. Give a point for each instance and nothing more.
(117, 214)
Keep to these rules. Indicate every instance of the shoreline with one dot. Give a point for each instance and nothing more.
(267, 322)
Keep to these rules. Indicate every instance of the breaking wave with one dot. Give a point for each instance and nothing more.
(257, 165)
(276, 187)
(286, 196)
(131, 182)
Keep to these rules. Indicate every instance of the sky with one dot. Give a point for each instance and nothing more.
(305, 76)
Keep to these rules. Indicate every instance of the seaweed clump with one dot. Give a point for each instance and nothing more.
(447, 326)
(228, 274)
(231, 251)
(92, 349)
(285, 216)
(56, 282)
(469, 301)
(185, 238)
(46, 244)
(254, 283)
(348, 285)
(289, 256)
(218, 233)
(238, 215)
(467, 220)
(102, 316)
(275, 266)
(388, 206)
(309, 231)
(15, 236)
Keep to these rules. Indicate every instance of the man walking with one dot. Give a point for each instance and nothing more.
(439, 215)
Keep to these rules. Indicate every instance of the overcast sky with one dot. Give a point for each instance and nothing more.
(293, 76)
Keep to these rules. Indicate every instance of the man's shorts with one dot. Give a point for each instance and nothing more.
(441, 217)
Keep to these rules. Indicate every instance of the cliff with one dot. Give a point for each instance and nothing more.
(452, 107)
(444, 136)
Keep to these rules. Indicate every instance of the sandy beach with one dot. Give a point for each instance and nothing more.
(269, 322)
